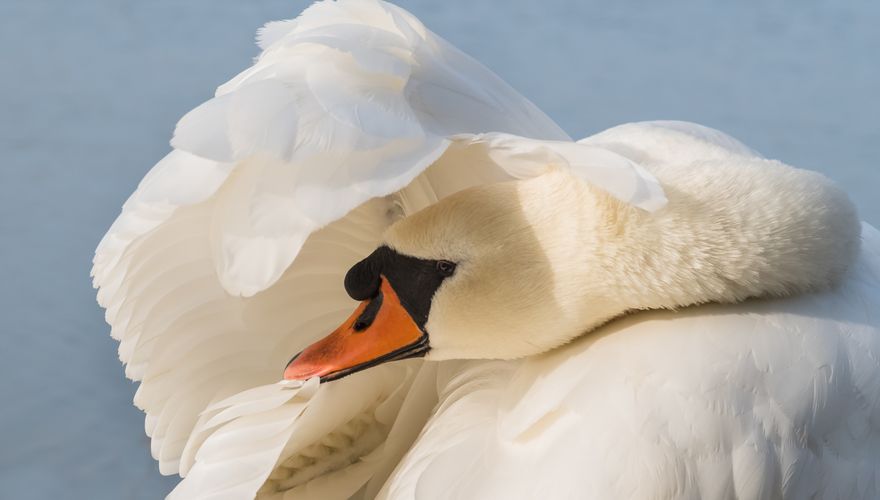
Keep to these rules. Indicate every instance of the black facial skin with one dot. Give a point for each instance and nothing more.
(414, 280)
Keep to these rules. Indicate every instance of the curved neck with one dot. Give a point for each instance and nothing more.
(722, 238)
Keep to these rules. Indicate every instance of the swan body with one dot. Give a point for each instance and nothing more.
(763, 399)
(356, 129)
(772, 398)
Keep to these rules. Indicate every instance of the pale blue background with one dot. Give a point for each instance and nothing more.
(90, 91)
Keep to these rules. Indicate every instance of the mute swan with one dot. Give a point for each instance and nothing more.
(514, 269)
(231, 256)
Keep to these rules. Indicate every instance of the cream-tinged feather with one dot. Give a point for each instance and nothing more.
(229, 258)
(546, 259)
(755, 399)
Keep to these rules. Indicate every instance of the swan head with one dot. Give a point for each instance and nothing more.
(497, 271)
(514, 269)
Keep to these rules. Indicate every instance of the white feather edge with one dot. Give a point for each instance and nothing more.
(522, 157)
(165, 314)
(350, 83)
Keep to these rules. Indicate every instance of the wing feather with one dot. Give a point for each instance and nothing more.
(229, 257)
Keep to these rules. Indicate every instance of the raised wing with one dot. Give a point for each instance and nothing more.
(351, 100)
(230, 255)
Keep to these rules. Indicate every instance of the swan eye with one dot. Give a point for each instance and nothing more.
(445, 267)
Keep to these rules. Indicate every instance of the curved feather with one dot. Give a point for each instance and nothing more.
(350, 101)
(229, 257)
(614, 173)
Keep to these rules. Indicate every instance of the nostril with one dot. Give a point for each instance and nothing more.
(369, 313)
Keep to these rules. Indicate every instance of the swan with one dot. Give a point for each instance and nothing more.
(514, 269)
(360, 143)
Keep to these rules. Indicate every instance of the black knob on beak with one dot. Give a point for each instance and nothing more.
(362, 281)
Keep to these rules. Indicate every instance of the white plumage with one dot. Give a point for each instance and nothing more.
(766, 399)
(230, 257)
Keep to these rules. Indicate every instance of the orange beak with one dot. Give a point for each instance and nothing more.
(379, 330)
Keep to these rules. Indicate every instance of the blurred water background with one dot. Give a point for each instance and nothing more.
(91, 90)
